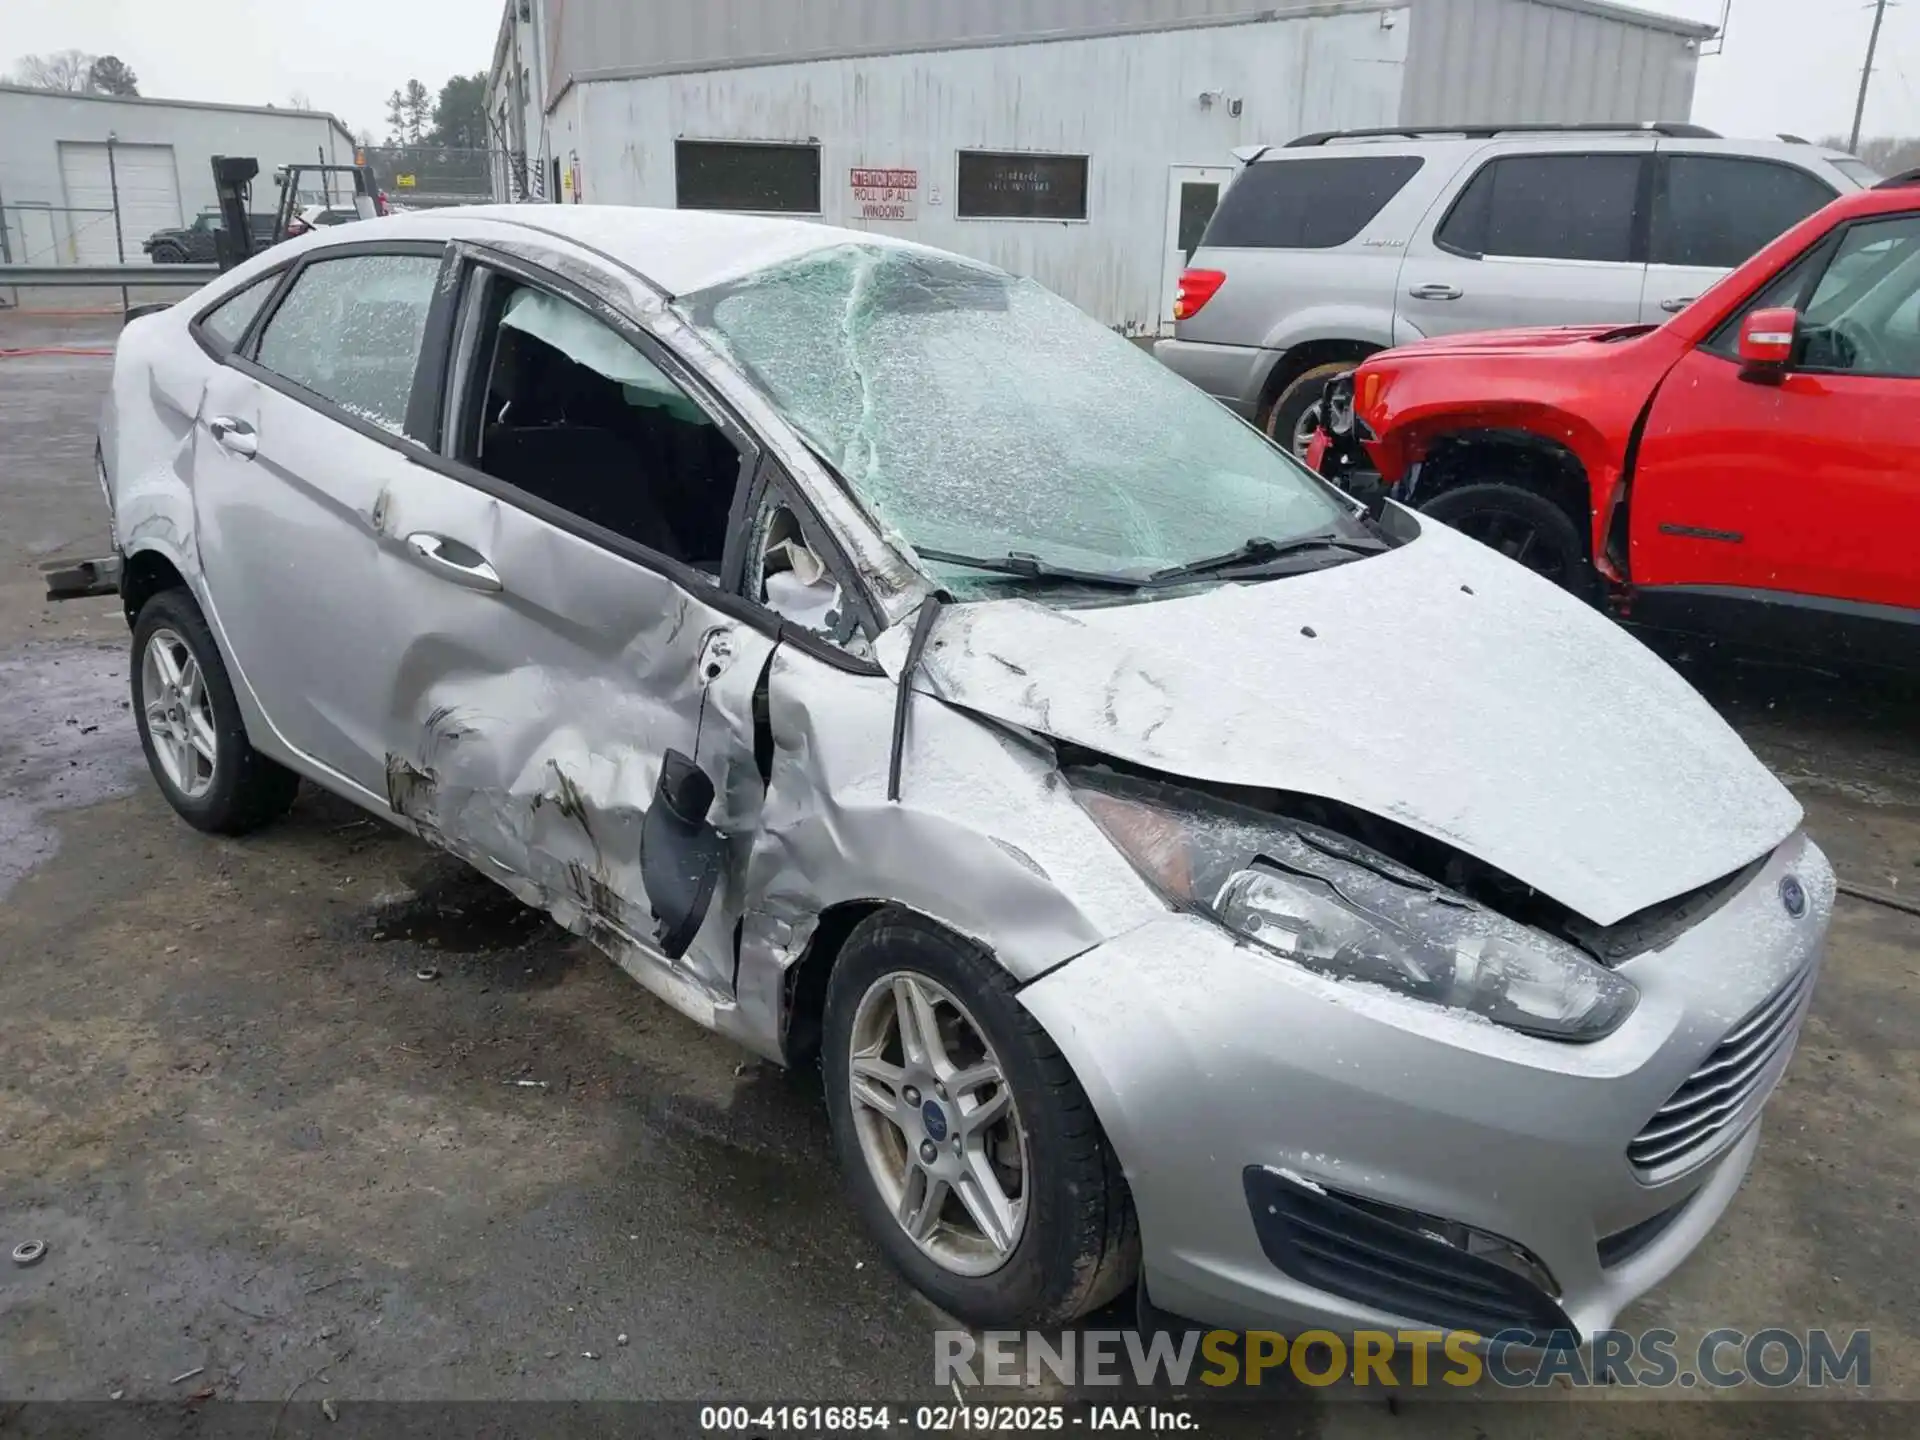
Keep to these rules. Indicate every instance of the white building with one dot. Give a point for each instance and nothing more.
(1082, 142)
(65, 159)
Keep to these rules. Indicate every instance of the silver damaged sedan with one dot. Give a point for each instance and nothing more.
(1179, 873)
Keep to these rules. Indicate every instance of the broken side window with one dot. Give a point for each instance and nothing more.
(575, 414)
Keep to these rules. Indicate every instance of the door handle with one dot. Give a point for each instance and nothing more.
(1435, 292)
(449, 560)
(234, 435)
(1677, 304)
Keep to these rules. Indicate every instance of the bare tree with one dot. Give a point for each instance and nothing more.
(61, 70)
(300, 100)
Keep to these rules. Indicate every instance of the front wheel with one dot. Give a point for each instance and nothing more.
(969, 1148)
(1525, 527)
(191, 727)
(169, 254)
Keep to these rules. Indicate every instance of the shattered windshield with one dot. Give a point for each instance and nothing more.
(981, 415)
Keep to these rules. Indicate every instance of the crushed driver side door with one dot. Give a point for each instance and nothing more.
(552, 668)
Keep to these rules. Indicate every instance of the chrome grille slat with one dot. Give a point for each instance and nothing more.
(1762, 1018)
(1738, 1059)
(1697, 1117)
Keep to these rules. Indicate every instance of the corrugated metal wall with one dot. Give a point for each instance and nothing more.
(597, 36)
(1130, 103)
(1475, 61)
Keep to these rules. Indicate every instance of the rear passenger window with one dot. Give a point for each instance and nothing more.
(349, 331)
(1548, 207)
(1308, 204)
(1719, 211)
(227, 322)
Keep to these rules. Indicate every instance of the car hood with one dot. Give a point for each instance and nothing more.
(1438, 685)
(1517, 342)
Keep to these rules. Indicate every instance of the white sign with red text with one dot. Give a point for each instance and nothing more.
(886, 194)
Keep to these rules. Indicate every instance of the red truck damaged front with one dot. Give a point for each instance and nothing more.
(1671, 464)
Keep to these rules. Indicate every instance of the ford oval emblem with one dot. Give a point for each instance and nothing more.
(935, 1119)
(1793, 895)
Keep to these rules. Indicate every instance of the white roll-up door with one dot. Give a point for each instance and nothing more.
(149, 189)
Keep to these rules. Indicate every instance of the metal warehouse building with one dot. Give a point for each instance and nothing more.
(1082, 142)
(67, 160)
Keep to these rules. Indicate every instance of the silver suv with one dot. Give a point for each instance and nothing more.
(1340, 244)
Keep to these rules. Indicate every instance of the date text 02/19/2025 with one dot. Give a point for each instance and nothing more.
(936, 1419)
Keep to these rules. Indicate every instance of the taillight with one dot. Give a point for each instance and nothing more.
(1195, 289)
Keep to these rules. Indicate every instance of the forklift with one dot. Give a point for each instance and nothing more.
(233, 177)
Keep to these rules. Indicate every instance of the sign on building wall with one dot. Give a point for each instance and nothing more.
(886, 194)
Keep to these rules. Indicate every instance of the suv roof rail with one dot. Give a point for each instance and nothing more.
(1674, 128)
(1900, 181)
(1795, 139)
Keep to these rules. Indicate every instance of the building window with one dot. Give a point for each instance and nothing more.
(730, 175)
(1021, 187)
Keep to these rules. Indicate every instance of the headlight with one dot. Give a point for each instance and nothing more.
(1342, 910)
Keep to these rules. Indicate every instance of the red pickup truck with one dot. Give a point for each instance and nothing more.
(1751, 468)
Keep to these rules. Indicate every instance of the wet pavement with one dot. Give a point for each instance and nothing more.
(322, 1098)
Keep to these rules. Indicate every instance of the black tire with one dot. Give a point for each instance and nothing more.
(1080, 1246)
(1290, 409)
(246, 789)
(167, 253)
(1524, 526)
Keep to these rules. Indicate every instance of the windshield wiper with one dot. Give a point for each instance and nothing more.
(1261, 551)
(1031, 567)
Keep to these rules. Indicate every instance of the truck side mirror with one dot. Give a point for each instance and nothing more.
(1767, 340)
(681, 855)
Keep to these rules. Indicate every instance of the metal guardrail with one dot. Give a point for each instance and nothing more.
(109, 275)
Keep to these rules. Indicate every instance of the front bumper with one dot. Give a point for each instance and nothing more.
(1235, 375)
(1206, 1059)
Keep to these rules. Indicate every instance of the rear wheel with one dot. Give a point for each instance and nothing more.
(968, 1146)
(1527, 528)
(1296, 413)
(190, 724)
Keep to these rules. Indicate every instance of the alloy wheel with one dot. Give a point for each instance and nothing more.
(937, 1123)
(1303, 431)
(179, 713)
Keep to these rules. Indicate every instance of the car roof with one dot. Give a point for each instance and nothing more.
(680, 251)
(1525, 138)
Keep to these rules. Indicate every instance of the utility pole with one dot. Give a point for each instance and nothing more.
(1866, 74)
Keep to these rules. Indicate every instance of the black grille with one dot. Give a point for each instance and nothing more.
(1623, 1245)
(1721, 1095)
(1334, 1245)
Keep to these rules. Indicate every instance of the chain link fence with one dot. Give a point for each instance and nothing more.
(424, 176)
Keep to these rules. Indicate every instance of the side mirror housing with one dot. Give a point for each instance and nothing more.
(681, 855)
(1767, 341)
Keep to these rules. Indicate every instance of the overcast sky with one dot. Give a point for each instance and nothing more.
(1789, 64)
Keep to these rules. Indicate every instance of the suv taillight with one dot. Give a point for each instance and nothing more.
(1195, 289)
